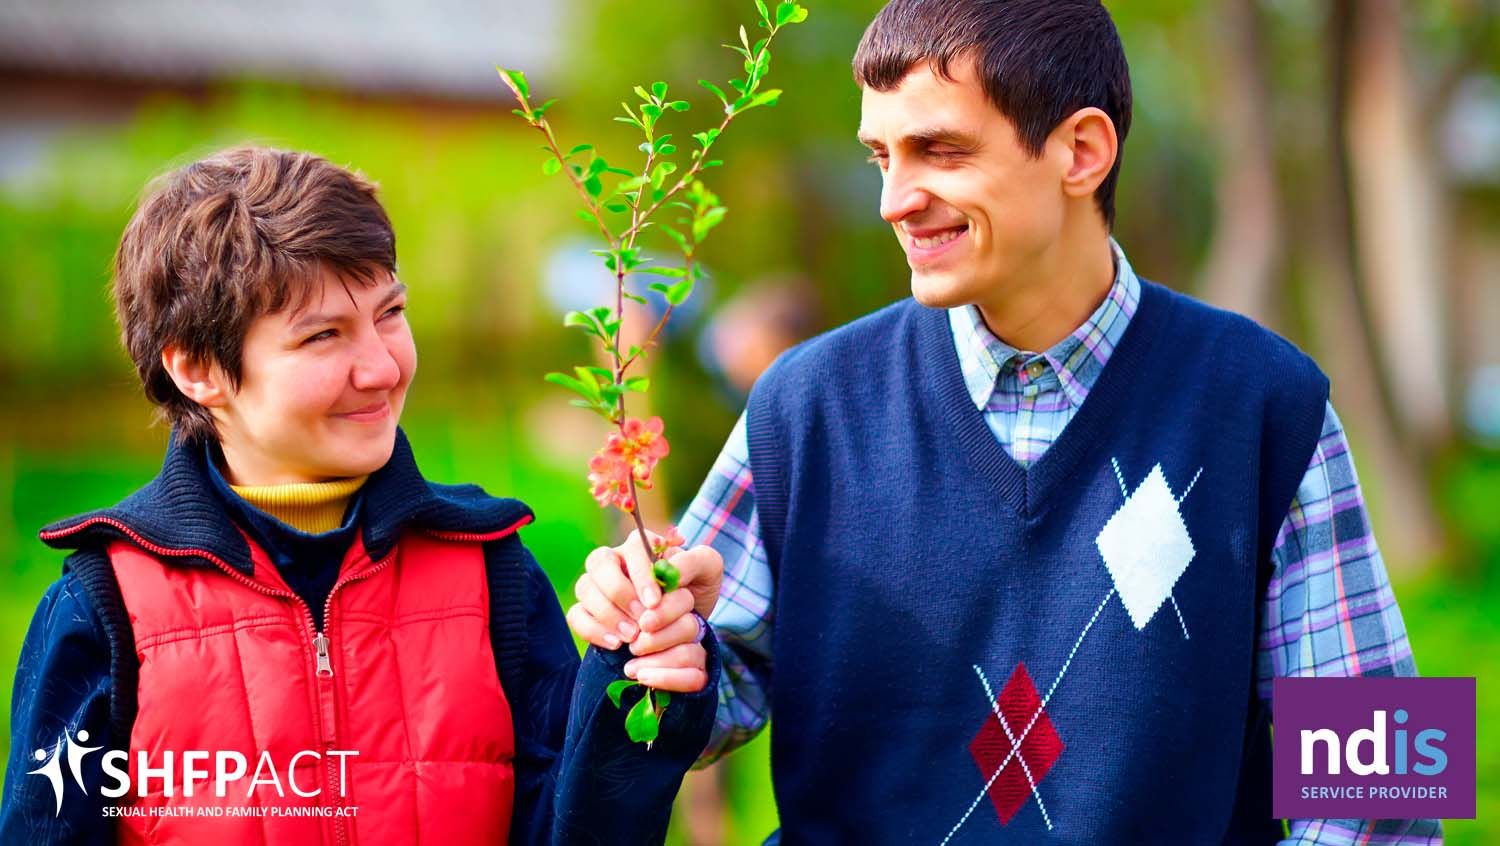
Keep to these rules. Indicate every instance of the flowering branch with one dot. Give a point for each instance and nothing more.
(623, 467)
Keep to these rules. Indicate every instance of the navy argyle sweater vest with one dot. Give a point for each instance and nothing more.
(969, 652)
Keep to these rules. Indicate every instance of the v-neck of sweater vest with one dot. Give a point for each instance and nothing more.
(1028, 489)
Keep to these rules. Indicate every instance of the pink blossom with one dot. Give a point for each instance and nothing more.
(628, 454)
(661, 543)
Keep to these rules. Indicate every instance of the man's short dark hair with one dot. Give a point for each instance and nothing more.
(1038, 60)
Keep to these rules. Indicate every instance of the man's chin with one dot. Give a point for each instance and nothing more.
(937, 289)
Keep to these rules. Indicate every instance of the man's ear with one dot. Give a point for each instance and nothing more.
(1088, 135)
(197, 379)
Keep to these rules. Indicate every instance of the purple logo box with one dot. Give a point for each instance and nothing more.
(1382, 748)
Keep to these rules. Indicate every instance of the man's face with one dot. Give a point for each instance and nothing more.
(971, 208)
(322, 387)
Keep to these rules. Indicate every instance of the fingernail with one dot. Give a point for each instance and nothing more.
(648, 621)
(628, 629)
(636, 608)
(630, 668)
(651, 596)
(611, 641)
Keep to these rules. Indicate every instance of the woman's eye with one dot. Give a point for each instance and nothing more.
(321, 336)
(877, 159)
(394, 310)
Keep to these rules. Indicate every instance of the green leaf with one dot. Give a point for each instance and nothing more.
(679, 105)
(678, 294)
(542, 109)
(633, 297)
(667, 575)
(651, 110)
(641, 723)
(760, 6)
(517, 81)
(641, 93)
(703, 225)
(617, 207)
(676, 272)
(593, 186)
(765, 98)
(667, 149)
(718, 92)
(659, 89)
(662, 698)
(638, 383)
(551, 166)
(789, 12)
(634, 352)
(579, 149)
(587, 390)
(680, 238)
(584, 322)
(617, 689)
(609, 262)
(661, 172)
(597, 166)
(584, 216)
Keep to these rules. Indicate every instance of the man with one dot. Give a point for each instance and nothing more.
(1026, 551)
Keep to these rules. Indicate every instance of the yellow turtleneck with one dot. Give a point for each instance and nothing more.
(312, 507)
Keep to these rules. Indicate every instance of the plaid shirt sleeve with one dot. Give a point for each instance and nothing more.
(723, 516)
(1329, 611)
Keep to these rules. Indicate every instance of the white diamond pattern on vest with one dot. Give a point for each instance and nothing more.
(1146, 546)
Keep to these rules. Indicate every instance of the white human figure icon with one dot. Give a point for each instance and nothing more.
(52, 769)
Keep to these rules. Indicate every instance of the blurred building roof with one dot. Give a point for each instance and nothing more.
(431, 48)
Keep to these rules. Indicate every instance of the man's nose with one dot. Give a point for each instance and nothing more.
(901, 195)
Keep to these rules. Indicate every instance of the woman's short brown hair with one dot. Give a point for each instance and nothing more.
(222, 241)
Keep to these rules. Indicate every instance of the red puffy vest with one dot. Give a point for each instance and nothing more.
(402, 676)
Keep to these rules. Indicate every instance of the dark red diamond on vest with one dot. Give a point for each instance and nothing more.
(1040, 746)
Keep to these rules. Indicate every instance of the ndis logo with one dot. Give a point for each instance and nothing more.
(1384, 748)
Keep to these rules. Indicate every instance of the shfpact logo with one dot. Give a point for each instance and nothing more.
(1381, 748)
(187, 773)
(74, 751)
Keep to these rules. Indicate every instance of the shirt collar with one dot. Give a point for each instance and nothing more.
(1077, 359)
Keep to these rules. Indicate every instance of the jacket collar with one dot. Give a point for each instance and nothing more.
(178, 516)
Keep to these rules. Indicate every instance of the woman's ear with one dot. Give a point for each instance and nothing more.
(1091, 142)
(198, 380)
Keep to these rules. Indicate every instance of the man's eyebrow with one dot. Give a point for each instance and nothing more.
(308, 321)
(928, 135)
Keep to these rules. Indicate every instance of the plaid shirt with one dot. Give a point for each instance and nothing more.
(1328, 609)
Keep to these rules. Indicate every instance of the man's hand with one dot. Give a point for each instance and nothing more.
(619, 602)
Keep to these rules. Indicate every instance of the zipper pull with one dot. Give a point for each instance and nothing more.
(320, 643)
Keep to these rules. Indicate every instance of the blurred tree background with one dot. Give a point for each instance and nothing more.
(1330, 168)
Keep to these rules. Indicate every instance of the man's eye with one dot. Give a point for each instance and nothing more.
(394, 310)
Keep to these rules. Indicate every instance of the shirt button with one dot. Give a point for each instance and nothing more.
(1035, 369)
